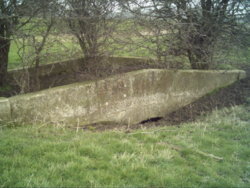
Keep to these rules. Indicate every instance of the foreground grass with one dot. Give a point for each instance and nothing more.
(185, 156)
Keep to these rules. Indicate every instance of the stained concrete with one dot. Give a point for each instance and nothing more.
(73, 65)
(5, 112)
(126, 98)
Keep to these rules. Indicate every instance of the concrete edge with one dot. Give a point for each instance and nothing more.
(5, 103)
(5, 109)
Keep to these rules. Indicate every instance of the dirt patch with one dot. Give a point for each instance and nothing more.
(235, 94)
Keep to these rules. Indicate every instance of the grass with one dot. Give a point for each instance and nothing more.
(66, 47)
(233, 59)
(59, 48)
(183, 156)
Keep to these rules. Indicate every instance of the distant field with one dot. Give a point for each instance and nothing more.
(57, 49)
(66, 48)
(124, 43)
(212, 152)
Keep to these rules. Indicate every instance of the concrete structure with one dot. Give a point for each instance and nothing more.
(126, 98)
(74, 65)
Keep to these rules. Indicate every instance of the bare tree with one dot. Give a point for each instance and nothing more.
(33, 42)
(155, 35)
(10, 13)
(193, 28)
(205, 24)
(90, 22)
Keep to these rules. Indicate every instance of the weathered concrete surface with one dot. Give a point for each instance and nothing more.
(74, 65)
(5, 113)
(50, 69)
(127, 98)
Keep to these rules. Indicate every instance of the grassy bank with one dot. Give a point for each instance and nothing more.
(212, 152)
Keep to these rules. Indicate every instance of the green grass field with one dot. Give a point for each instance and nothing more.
(57, 49)
(66, 47)
(60, 46)
(211, 152)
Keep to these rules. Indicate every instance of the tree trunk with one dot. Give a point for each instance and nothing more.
(4, 52)
(198, 59)
(200, 66)
(36, 79)
(199, 54)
